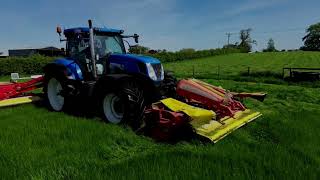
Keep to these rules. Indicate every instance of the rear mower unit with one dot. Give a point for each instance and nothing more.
(14, 93)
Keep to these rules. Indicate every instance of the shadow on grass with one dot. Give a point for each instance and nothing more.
(75, 108)
(165, 135)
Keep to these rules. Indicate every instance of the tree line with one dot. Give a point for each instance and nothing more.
(311, 43)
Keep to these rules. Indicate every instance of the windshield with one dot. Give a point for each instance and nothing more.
(108, 44)
(104, 45)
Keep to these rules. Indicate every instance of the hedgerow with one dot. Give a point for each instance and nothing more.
(34, 64)
(182, 55)
(24, 65)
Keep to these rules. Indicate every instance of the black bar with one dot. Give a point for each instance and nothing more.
(90, 23)
(303, 68)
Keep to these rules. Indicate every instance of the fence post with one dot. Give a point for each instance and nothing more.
(193, 71)
(219, 72)
(290, 73)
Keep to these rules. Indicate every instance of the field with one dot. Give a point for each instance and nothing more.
(283, 144)
(263, 67)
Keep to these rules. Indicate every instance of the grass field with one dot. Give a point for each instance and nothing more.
(283, 144)
(264, 67)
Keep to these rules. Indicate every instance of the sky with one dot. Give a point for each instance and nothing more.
(161, 24)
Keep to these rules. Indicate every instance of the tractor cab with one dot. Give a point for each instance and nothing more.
(106, 41)
(101, 51)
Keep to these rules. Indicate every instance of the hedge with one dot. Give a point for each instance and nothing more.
(180, 55)
(24, 65)
(35, 63)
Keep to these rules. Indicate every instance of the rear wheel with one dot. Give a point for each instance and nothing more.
(53, 90)
(56, 100)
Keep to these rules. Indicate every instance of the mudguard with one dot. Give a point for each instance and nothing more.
(67, 66)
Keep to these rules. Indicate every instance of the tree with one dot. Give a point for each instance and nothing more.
(231, 46)
(138, 49)
(270, 46)
(312, 39)
(187, 50)
(246, 41)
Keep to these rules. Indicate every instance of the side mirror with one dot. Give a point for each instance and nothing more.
(59, 30)
(136, 38)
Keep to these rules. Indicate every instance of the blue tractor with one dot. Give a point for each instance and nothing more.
(98, 72)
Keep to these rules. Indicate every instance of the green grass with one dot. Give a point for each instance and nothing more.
(264, 67)
(282, 144)
(4, 78)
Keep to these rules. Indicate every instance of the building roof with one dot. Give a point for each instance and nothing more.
(50, 48)
(86, 30)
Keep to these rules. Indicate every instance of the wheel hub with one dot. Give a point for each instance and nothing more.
(55, 98)
(113, 108)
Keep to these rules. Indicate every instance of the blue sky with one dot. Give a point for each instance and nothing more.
(162, 24)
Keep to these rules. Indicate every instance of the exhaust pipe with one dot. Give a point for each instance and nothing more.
(93, 55)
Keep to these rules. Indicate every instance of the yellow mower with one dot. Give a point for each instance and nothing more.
(219, 115)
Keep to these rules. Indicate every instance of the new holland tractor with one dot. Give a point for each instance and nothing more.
(98, 70)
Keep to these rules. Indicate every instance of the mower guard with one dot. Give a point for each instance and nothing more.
(199, 116)
(216, 130)
(19, 100)
(204, 123)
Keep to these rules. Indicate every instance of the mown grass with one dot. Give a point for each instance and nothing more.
(282, 144)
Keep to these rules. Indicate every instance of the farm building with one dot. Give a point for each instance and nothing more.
(2, 56)
(48, 51)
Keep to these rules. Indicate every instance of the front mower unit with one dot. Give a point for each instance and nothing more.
(231, 114)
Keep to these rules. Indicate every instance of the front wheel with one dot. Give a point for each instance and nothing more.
(124, 104)
(113, 108)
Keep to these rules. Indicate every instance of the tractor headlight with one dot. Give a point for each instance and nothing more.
(151, 72)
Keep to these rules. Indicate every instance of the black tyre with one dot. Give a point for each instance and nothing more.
(124, 104)
(169, 85)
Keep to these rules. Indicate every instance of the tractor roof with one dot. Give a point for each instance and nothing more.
(86, 30)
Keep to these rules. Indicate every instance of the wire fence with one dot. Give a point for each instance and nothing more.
(220, 72)
(252, 73)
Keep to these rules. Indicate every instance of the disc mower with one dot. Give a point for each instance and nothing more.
(15, 93)
(133, 89)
